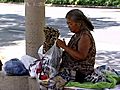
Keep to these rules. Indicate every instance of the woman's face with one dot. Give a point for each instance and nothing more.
(72, 25)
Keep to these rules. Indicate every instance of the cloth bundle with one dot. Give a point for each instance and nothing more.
(47, 66)
(111, 79)
(51, 34)
(15, 67)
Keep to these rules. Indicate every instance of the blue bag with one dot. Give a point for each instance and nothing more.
(15, 67)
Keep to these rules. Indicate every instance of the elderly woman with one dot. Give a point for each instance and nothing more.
(79, 55)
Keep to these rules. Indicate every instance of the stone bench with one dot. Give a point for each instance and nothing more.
(17, 83)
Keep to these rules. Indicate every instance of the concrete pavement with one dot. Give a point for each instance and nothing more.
(106, 32)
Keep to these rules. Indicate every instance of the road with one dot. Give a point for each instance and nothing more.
(106, 32)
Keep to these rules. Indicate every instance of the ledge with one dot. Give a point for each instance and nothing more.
(17, 83)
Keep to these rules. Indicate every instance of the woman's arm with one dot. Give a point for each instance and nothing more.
(83, 47)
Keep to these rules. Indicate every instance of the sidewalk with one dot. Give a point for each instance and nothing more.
(106, 33)
(12, 51)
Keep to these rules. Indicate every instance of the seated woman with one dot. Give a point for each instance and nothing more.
(78, 58)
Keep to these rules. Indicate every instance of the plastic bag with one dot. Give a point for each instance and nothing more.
(35, 68)
(52, 58)
(54, 55)
(15, 67)
(47, 66)
(27, 60)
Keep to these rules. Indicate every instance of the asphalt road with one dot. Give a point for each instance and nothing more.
(106, 32)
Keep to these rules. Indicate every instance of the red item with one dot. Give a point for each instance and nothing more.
(43, 77)
(38, 70)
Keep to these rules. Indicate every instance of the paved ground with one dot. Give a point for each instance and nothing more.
(106, 33)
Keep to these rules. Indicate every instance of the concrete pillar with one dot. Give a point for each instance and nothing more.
(18, 82)
(35, 22)
(14, 82)
(33, 84)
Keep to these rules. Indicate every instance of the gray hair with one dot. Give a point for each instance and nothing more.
(78, 16)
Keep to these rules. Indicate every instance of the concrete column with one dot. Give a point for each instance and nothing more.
(33, 84)
(18, 82)
(14, 83)
(35, 22)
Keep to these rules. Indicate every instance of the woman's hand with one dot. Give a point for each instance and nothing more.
(61, 43)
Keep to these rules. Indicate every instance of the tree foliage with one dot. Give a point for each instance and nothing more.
(115, 3)
(86, 2)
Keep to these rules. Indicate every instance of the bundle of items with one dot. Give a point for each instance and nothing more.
(14, 67)
(50, 57)
(47, 66)
(111, 79)
(51, 34)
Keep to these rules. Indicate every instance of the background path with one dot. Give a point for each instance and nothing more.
(106, 32)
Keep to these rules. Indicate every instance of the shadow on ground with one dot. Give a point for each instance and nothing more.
(12, 27)
(111, 58)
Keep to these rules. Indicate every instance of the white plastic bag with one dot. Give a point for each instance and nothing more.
(51, 59)
(54, 54)
(35, 68)
(27, 60)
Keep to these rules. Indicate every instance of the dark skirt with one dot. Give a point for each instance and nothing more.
(80, 77)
